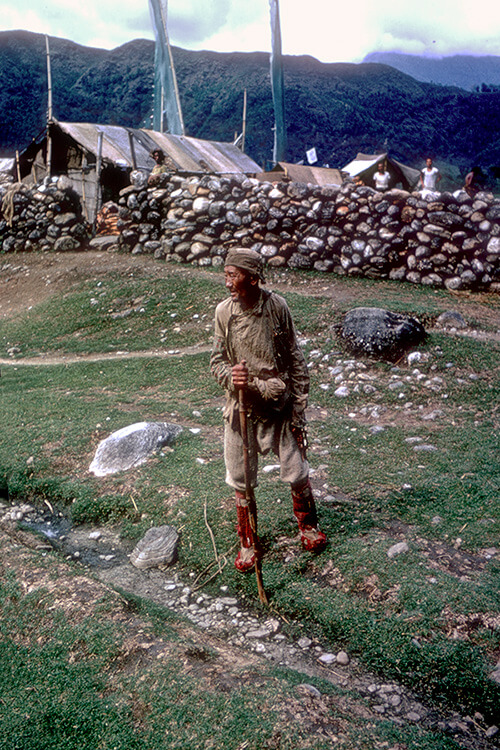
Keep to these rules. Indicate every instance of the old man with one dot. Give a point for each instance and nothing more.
(255, 349)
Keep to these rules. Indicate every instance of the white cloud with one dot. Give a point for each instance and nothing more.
(331, 30)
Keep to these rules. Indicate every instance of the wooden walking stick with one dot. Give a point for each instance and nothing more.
(250, 498)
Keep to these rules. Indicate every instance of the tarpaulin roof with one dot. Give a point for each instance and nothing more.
(6, 164)
(322, 176)
(365, 165)
(188, 154)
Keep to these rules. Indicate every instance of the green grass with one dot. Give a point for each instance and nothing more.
(108, 316)
(54, 416)
(64, 685)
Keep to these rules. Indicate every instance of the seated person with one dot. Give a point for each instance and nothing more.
(160, 168)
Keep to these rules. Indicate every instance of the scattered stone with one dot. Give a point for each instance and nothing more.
(132, 446)
(413, 717)
(327, 659)
(451, 319)
(305, 687)
(304, 643)
(397, 549)
(342, 658)
(157, 547)
(342, 392)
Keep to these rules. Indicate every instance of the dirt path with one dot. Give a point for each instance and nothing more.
(71, 359)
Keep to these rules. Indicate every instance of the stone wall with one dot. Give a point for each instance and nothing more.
(451, 241)
(46, 217)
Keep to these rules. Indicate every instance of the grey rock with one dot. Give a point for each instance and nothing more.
(132, 446)
(306, 688)
(376, 331)
(157, 547)
(397, 549)
(327, 659)
(451, 319)
(343, 658)
(413, 716)
(66, 244)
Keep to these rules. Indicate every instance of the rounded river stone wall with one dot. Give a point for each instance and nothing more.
(448, 240)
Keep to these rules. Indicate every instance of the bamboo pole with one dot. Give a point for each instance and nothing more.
(18, 167)
(250, 498)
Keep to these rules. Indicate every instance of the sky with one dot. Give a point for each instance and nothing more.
(330, 30)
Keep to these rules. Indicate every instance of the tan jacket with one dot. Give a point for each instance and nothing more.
(265, 337)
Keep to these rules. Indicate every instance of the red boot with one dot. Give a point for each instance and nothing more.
(245, 559)
(304, 509)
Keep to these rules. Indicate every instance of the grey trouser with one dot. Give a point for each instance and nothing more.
(263, 437)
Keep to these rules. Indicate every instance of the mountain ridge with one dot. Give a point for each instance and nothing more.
(465, 71)
(339, 108)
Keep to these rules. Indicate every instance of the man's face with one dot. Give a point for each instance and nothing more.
(429, 163)
(240, 285)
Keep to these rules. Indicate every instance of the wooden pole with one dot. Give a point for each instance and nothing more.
(244, 120)
(48, 161)
(132, 149)
(18, 167)
(250, 498)
(84, 198)
(98, 197)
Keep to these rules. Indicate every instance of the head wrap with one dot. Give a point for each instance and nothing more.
(247, 260)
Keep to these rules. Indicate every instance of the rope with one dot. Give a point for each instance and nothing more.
(8, 201)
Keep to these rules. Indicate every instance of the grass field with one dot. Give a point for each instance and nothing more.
(426, 618)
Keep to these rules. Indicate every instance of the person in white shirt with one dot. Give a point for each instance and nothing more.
(381, 178)
(430, 176)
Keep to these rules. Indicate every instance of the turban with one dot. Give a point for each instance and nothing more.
(247, 260)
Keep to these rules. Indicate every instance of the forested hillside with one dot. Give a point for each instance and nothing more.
(338, 108)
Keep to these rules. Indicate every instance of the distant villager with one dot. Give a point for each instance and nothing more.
(161, 168)
(473, 181)
(430, 177)
(381, 178)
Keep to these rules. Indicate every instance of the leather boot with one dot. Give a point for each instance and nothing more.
(304, 509)
(246, 556)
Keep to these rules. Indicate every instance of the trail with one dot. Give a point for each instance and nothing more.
(71, 359)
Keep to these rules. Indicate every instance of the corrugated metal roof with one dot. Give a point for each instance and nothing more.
(190, 155)
(322, 176)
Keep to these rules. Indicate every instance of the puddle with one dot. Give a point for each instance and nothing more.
(91, 546)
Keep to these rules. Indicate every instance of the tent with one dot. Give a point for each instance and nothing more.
(7, 164)
(104, 155)
(301, 173)
(365, 166)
